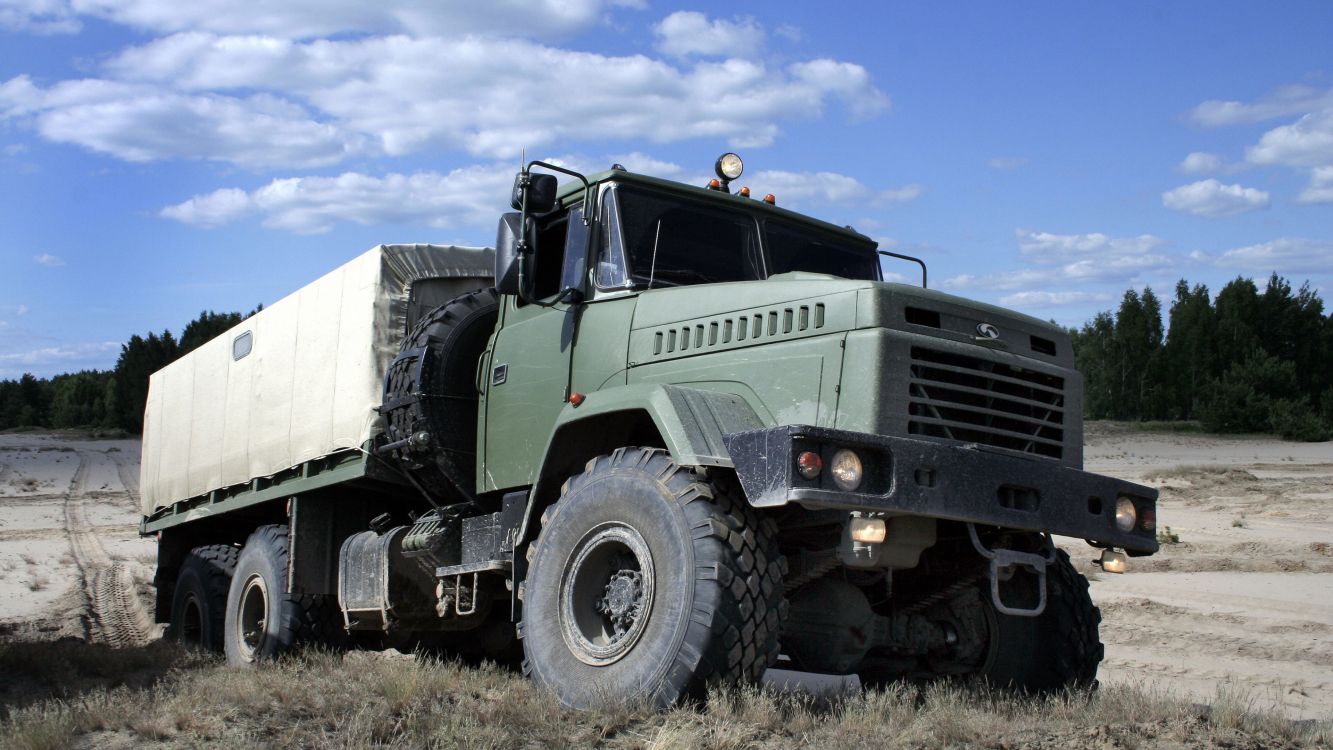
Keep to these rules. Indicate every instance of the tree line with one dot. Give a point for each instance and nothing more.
(106, 399)
(1247, 361)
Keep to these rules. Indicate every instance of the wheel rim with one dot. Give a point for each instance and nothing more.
(252, 617)
(606, 593)
(192, 621)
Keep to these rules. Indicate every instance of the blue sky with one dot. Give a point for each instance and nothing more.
(159, 158)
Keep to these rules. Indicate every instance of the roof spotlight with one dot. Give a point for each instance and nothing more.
(728, 167)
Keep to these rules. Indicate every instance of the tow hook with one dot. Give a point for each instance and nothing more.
(1005, 562)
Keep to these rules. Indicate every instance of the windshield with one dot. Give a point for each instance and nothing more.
(653, 240)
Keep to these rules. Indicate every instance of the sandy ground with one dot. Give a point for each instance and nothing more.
(1244, 601)
(71, 559)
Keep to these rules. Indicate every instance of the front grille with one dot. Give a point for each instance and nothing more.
(976, 400)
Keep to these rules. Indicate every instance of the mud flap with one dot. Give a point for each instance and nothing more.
(1005, 562)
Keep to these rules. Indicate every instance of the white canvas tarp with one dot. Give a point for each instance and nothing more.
(308, 385)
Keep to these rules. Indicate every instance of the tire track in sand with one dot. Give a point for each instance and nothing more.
(113, 615)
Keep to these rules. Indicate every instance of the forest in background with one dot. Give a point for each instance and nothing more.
(106, 400)
(1245, 361)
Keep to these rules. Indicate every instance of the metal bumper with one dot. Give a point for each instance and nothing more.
(959, 482)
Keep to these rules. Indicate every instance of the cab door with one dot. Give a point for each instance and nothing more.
(526, 371)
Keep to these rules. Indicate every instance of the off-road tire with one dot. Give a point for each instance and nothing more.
(716, 605)
(262, 620)
(1056, 650)
(199, 604)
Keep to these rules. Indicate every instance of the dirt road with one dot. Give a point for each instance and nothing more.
(71, 562)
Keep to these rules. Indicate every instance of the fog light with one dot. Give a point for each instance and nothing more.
(869, 530)
(1125, 515)
(1112, 561)
(809, 464)
(846, 470)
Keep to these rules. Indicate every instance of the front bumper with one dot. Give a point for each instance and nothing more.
(958, 482)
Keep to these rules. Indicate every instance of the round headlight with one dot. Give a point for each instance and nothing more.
(846, 470)
(729, 166)
(1125, 515)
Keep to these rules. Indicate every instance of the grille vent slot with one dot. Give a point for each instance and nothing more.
(735, 329)
(977, 400)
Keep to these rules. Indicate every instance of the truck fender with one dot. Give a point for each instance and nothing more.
(688, 422)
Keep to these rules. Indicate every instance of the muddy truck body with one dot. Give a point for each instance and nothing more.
(661, 437)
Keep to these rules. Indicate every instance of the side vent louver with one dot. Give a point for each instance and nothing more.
(747, 327)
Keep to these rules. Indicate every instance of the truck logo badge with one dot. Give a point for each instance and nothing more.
(499, 374)
(987, 330)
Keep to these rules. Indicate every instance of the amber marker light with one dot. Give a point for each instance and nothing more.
(809, 464)
(745, 192)
(576, 398)
(771, 199)
(714, 184)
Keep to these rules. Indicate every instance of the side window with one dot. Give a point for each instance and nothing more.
(610, 250)
(241, 345)
(576, 251)
(550, 257)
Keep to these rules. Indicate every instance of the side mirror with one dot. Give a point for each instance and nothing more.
(506, 251)
(541, 193)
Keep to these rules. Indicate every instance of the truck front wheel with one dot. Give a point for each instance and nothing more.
(262, 620)
(649, 583)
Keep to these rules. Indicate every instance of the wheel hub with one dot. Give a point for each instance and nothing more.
(606, 593)
(623, 600)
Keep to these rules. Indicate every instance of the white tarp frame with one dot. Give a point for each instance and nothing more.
(308, 386)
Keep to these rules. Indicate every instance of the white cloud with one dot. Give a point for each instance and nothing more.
(1284, 102)
(141, 122)
(1200, 162)
(1048, 248)
(1308, 142)
(1002, 280)
(15, 149)
(1007, 163)
(48, 260)
(311, 205)
(267, 102)
(1212, 198)
(302, 19)
(1286, 255)
(685, 33)
(21, 310)
(826, 187)
(1320, 189)
(1052, 299)
(38, 17)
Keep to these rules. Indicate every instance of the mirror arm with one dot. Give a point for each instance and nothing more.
(569, 293)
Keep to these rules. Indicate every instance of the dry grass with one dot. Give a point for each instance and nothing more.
(71, 694)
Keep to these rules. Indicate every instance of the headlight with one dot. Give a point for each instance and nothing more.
(846, 470)
(1125, 515)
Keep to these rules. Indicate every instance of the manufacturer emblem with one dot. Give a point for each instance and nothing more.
(988, 331)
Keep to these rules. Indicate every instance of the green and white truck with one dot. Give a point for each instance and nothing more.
(660, 437)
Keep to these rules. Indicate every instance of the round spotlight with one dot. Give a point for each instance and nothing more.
(846, 470)
(728, 166)
(1125, 514)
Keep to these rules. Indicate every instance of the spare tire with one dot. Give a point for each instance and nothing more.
(430, 395)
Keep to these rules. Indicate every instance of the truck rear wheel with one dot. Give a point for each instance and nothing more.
(262, 620)
(199, 605)
(1056, 650)
(647, 582)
